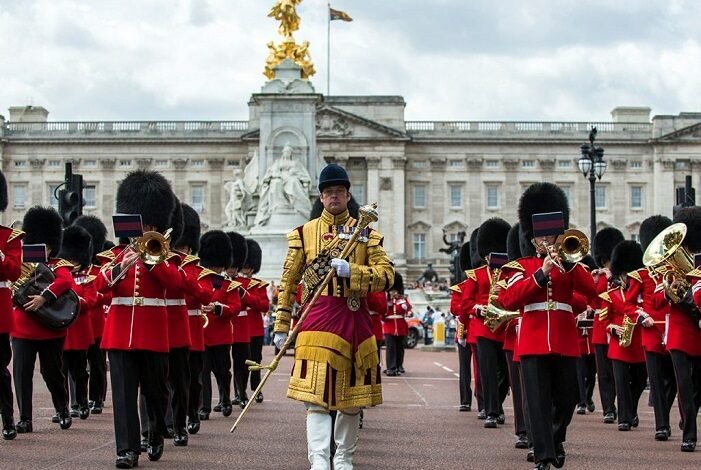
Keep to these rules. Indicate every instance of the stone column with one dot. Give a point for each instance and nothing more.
(108, 192)
(372, 184)
(215, 208)
(476, 192)
(179, 180)
(36, 181)
(437, 206)
(396, 213)
(512, 189)
(663, 185)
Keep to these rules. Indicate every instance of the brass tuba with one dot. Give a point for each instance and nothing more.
(666, 255)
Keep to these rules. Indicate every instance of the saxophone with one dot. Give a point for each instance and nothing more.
(495, 315)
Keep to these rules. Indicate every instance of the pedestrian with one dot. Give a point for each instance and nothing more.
(427, 322)
(268, 323)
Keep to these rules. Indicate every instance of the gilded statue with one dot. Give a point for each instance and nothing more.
(298, 53)
(286, 13)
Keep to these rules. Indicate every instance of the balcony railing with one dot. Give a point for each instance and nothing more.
(106, 128)
(524, 127)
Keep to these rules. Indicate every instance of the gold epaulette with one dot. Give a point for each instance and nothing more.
(261, 283)
(62, 263)
(89, 278)
(456, 288)
(470, 273)
(107, 254)
(205, 272)
(503, 284)
(190, 259)
(694, 273)
(233, 285)
(252, 283)
(513, 265)
(635, 275)
(171, 255)
(605, 296)
(15, 233)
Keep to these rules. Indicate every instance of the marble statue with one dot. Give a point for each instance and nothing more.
(239, 202)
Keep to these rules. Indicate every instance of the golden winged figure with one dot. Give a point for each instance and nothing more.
(286, 13)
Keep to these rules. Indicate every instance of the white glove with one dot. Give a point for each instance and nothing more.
(279, 339)
(463, 342)
(341, 266)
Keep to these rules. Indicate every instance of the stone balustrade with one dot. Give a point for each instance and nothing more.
(99, 129)
(526, 128)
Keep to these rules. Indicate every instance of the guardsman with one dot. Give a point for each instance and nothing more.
(628, 361)
(97, 360)
(336, 362)
(29, 337)
(652, 316)
(464, 351)
(257, 303)
(77, 250)
(136, 328)
(604, 242)
(10, 270)
(586, 364)
(548, 347)
(476, 261)
(395, 328)
(477, 293)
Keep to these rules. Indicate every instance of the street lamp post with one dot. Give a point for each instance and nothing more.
(593, 167)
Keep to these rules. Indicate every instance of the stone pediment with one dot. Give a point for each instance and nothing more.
(690, 133)
(419, 225)
(334, 123)
(455, 226)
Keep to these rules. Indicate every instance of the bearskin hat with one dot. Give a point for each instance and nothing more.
(108, 245)
(238, 244)
(176, 222)
(604, 242)
(254, 255)
(589, 262)
(540, 198)
(691, 216)
(191, 229)
(318, 208)
(96, 229)
(475, 259)
(3, 192)
(215, 249)
(513, 242)
(43, 225)
(491, 236)
(527, 247)
(465, 261)
(651, 227)
(147, 193)
(76, 246)
(398, 284)
(627, 256)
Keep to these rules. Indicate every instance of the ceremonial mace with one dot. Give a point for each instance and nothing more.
(367, 215)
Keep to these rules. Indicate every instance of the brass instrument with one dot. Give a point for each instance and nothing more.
(153, 248)
(666, 255)
(368, 214)
(572, 246)
(625, 338)
(494, 315)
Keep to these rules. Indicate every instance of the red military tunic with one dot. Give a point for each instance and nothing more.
(548, 323)
(579, 305)
(178, 321)
(617, 308)
(239, 321)
(599, 333)
(25, 326)
(80, 335)
(377, 306)
(646, 289)
(683, 333)
(137, 318)
(258, 303)
(198, 293)
(395, 318)
(219, 332)
(475, 299)
(10, 271)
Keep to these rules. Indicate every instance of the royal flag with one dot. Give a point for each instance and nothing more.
(338, 15)
(497, 260)
(548, 223)
(127, 225)
(35, 253)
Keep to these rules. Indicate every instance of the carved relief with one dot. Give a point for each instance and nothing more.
(331, 126)
(108, 163)
(216, 163)
(547, 164)
(475, 163)
(179, 163)
(510, 163)
(619, 164)
(386, 183)
(143, 163)
(37, 163)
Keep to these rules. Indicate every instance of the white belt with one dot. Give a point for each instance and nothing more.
(194, 312)
(174, 302)
(393, 317)
(5, 284)
(243, 313)
(138, 301)
(541, 306)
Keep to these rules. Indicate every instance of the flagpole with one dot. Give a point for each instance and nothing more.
(328, 49)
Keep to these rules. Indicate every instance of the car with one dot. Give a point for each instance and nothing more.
(420, 299)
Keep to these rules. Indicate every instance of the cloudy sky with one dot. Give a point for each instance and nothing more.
(450, 59)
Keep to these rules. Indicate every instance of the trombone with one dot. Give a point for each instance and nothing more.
(572, 246)
(153, 248)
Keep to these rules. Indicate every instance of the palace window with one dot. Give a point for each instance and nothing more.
(419, 246)
(636, 197)
(54, 163)
(19, 196)
(636, 164)
(492, 196)
(90, 195)
(492, 163)
(90, 163)
(358, 191)
(53, 195)
(564, 163)
(420, 196)
(455, 196)
(600, 197)
(199, 163)
(197, 197)
(528, 164)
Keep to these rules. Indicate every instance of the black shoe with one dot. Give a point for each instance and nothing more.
(581, 410)
(559, 456)
(84, 412)
(590, 406)
(55, 419)
(226, 410)
(501, 419)
(24, 426)
(610, 418)
(259, 398)
(218, 407)
(530, 456)
(636, 421)
(96, 408)
(235, 401)
(482, 415)
(244, 402)
(181, 438)
(127, 460)
(9, 431)
(542, 466)
(155, 448)
(401, 370)
(75, 412)
(465, 408)
(521, 442)
(662, 434)
(65, 420)
(688, 446)
(490, 422)
(624, 426)
(390, 373)
(143, 445)
(193, 427)
(170, 432)
(204, 415)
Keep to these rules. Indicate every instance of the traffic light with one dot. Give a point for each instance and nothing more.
(70, 198)
(686, 196)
